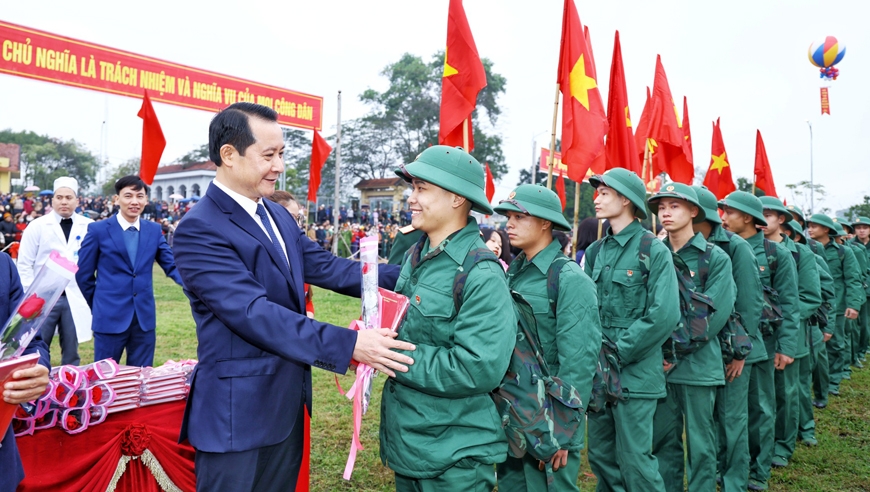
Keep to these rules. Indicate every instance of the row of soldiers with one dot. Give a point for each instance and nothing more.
(797, 295)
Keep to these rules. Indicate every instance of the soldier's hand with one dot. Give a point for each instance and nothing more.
(780, 361)
(828, 336)
(667, 366)
(851, 313)
(734, 369)
(558, 460)
(375, 348)
(26, 385)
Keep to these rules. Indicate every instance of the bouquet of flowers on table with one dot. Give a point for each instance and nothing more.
(381, 308)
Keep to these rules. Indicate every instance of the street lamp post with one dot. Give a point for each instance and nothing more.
(812, 183)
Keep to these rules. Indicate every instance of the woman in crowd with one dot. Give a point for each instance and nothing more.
(498, 242)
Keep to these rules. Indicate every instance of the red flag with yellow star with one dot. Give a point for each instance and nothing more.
(672, 153)
(583, 120)
(620, 148)
(463, 78)
(718, 179)
(687, 132)
(763, 172)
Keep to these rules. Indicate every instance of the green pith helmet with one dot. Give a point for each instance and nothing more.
(861, 220)
(824, 220)
(626, 183)
(794, 210)
(796, 229)
(453, 169)
(538, 202)
(747, 203)
(773, 203)
(708, 202)
(845, 224)
(681, 191)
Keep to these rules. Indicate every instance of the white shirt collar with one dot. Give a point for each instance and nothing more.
(246, 203)
(126, 225)
(58, 218)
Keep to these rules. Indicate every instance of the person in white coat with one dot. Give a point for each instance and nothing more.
(61, 230)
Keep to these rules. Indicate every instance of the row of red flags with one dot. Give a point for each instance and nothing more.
(661, 143)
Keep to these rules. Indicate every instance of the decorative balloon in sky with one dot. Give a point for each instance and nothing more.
(825, 54)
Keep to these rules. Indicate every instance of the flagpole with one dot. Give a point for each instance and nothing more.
(647, 165)
(576, 218)
(465, 135)
(335, 214)
(553, 140)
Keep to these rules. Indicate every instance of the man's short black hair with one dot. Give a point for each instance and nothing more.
(231, 126)
(131, 180)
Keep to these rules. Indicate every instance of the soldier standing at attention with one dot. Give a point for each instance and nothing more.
(732, 408)
(862, 240)
(693, 379)
(638, 314)
(570, 331)
(742, 212)
(790, 388)
(853, 327)
(439, 426)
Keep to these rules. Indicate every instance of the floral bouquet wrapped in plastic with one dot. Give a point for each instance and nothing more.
(34, 308)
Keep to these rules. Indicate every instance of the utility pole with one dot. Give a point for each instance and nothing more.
(812, 183)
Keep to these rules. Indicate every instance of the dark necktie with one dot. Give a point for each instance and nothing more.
(131, 240)
(264, 218)
(66, 227)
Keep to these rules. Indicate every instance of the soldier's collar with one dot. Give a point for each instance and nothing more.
(627, 233)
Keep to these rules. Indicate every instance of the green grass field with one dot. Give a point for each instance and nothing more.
(839, 463)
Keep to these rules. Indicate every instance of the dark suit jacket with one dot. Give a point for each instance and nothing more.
(256, 345)
(11, 471)
(113, 287)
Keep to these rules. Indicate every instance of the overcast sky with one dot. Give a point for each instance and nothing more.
(744, 61)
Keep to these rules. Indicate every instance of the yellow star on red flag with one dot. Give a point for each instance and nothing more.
(719, 163)
(448, 70)
(581, 83)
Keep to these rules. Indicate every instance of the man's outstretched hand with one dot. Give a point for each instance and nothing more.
(374, 347)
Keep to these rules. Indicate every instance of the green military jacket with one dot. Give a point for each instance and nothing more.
(862, 254)
(826, 281)
(405, 238)
(784, 282)
(704, 366)
(749, 303)
(809, 291)
(637, 316)
(440, 411)
(847, 277)
(570, 339)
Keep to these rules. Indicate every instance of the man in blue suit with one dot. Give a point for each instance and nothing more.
(28, 384)
(115, 276)
(244, 261)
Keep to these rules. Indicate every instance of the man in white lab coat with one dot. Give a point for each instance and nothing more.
(60, 230)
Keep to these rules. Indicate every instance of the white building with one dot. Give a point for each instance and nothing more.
(186, 180)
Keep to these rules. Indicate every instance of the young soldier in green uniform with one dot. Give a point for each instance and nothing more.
(638, 314)
(850, 295)
(742, 211)
(862, 240)
(732, 407)
(439, 426)
(570, 337)
(788, 381)
(693, 378)
(818, 354)
(853, 326)
(405, 238)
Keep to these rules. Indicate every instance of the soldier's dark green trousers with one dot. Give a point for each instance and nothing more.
(806, 419)
(522, 474)
(837, 359)
(787, 408)
(821, 372)
(864, 323)
(762, 420)
(620, 447)
(854, 327)
(732, 419)
(466, 475)
(688, 408)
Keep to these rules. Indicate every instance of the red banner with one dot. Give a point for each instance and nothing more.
(826, 105)
(559, 169)
(44, 56)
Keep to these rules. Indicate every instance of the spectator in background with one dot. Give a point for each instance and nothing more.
(499, 243)
(564, 241)
(586, 235)
(20, 225)
(7, 229)
(28, 205)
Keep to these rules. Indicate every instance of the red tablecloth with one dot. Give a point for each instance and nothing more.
(56, 461)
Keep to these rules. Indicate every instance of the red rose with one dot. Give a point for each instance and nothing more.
(72, 423)
(135, 440)
(96, 394)
(73, 401)
(31, 307)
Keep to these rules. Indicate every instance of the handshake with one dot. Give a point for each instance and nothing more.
(375, 347)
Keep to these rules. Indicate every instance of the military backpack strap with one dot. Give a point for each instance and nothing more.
(644, 251)
(553, 273)
(726, 245)
(704, 266)
(474, 257)
(770, 253)
(592, 252)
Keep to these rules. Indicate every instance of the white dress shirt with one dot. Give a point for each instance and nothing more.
(250, 206)
(126, 225)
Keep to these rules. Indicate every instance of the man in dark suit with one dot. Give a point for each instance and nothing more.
(28, 384)
(115, 276)
(244, 261)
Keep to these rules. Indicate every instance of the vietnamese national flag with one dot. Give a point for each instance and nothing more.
(560, 190)
(599, 164)
(490, 184)
(583, 120)
(153, 141)
(620, 148)
(463, 78)
(687, 132)
(319, 152)
(642, 143)
(718, 179)
(763, 173)
(673, 155)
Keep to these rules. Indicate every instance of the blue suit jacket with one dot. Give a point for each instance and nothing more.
(11, 471)
(256, 345)
(112, 286)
